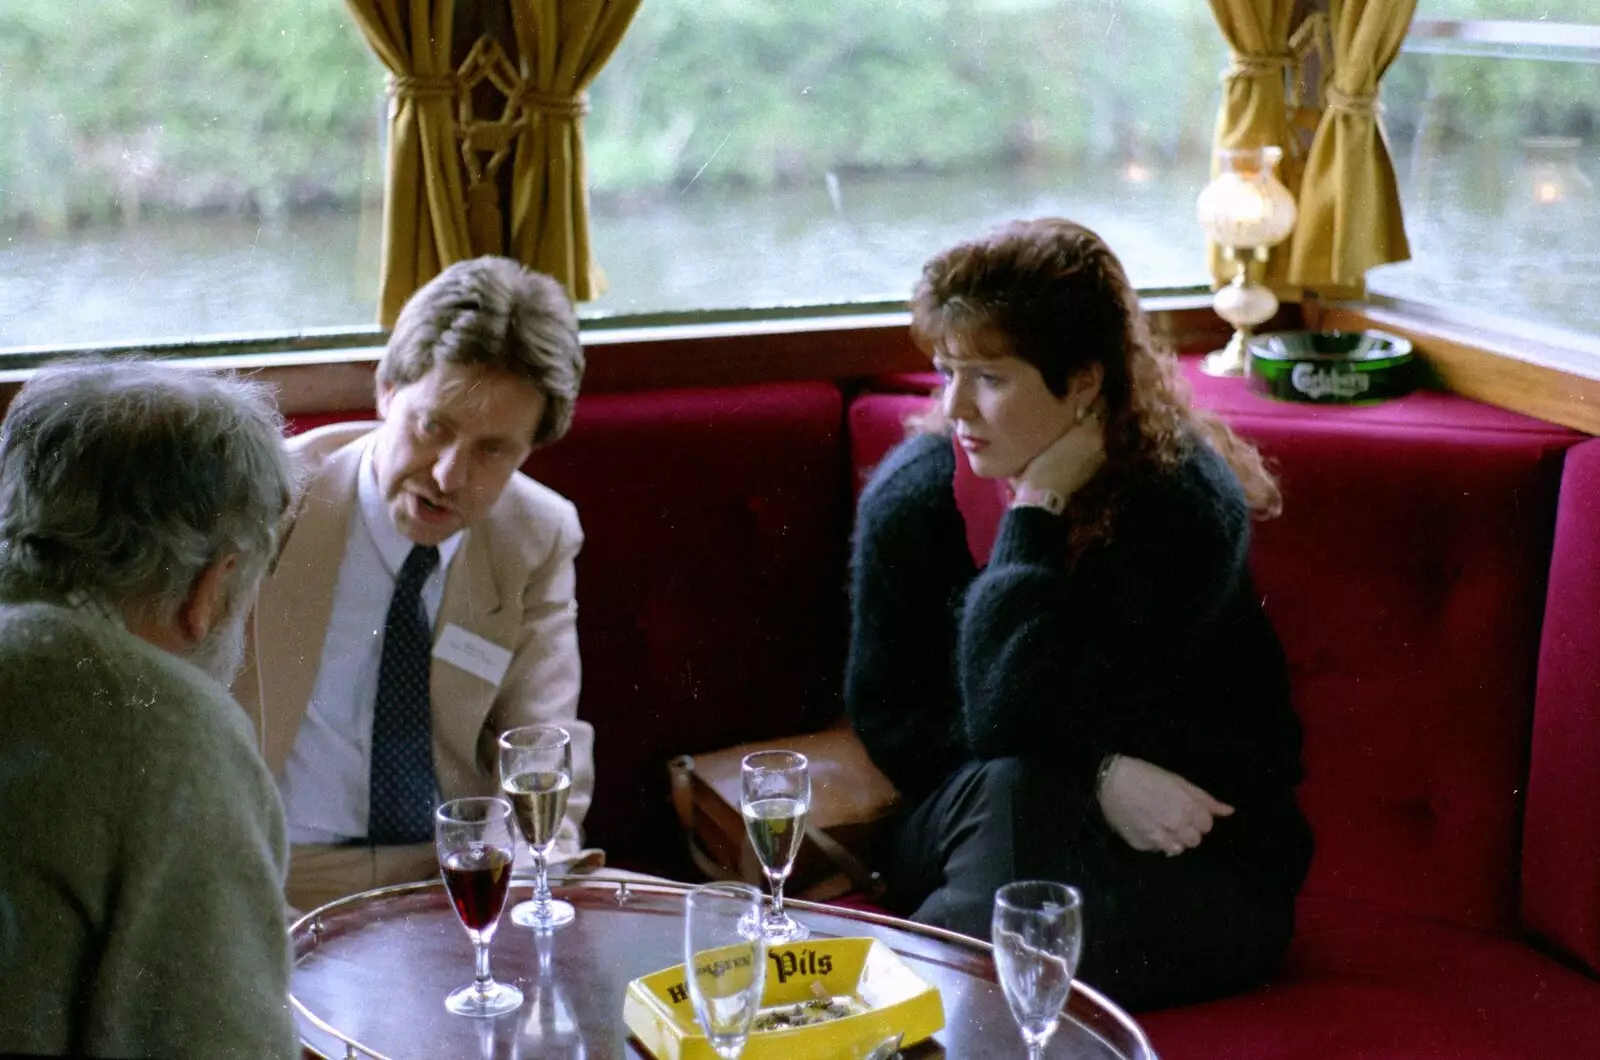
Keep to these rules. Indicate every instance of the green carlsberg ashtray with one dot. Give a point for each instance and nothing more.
(1331, 367)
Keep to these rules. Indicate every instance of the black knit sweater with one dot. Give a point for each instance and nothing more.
(1153, 645)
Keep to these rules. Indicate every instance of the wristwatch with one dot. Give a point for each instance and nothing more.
(1036, 497)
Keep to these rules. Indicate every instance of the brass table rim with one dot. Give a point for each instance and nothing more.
(311, 923)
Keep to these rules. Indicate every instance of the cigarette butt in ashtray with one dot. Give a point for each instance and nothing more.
(819, 991)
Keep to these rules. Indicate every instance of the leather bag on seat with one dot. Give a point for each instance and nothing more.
(850, 799)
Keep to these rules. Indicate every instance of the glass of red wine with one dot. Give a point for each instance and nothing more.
(475, 845)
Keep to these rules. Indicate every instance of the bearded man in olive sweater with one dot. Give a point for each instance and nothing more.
(142, 845)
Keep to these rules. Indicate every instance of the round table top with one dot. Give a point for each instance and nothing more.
(372, 971)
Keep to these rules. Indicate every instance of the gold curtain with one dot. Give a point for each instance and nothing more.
(561, 44)
(1254, 110)
(424, 204)
(1350, 207)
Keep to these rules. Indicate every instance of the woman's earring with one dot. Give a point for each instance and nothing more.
(1081, 414)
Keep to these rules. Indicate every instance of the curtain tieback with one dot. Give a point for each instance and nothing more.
(450, 86)
(1257, 65)
(1351, 103)
(570, 107)
(423, 87)
(1311, 36)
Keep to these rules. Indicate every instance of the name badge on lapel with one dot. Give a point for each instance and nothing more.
(472, 653)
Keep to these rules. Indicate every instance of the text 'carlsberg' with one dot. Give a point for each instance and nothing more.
(1316, 382)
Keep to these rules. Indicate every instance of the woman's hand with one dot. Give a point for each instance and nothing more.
(1155, 809)
(1068, 463)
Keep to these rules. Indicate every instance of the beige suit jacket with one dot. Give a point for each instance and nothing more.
(512, 582)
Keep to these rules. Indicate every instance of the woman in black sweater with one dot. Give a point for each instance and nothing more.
(1104, 703)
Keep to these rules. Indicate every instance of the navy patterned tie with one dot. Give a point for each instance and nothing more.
(401, 801)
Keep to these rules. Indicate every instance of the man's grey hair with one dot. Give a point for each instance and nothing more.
(121, 482)
(494, 313)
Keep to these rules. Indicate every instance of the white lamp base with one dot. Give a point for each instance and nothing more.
(1244, 304)
(1230, 360)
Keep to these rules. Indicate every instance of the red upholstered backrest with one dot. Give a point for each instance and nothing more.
(1406, 579)
(1561, 833)
(877, 425)
(712, 604)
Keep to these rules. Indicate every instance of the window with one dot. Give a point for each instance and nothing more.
(189, 168)
(177, 168)
(174, 168)
(1495, 128)
(765, 152)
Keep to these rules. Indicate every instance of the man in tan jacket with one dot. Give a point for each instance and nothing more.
(424, 600)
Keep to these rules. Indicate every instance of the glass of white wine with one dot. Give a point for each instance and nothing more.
(774, 796)
(1038, 936)
(536, 775)
(725, 967)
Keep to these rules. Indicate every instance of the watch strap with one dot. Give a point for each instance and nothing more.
(1036, 497)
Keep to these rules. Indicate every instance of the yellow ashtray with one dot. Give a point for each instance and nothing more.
(818, 978)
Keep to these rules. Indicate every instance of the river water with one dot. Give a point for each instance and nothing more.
(839, 239)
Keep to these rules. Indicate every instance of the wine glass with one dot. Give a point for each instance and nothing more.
(1038, 934)
(774, 795)
(536, 775)
(475, 845)
(724, 966)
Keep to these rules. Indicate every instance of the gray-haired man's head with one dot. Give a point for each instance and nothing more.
(126, 485)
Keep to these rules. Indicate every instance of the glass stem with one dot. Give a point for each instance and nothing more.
(482, 980)
(777, 896)
(541, 880)
(1035, 1050)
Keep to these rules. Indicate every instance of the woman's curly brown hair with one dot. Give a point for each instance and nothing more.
(1051, 292)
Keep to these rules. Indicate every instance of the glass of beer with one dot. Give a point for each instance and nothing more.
(1038, 933)
(725, 967)
(536, 775)
(774, 796)
(475, 845)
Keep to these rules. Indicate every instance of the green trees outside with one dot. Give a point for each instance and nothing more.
(112, 108)
(109, 107)
(761, 93)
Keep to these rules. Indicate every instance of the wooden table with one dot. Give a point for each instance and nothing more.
(372, 971)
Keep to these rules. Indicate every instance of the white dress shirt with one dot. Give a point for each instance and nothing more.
(325, 783)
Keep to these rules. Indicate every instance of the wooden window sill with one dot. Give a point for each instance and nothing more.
(1525, 375)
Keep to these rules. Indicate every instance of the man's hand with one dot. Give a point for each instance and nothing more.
(1155, 809)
